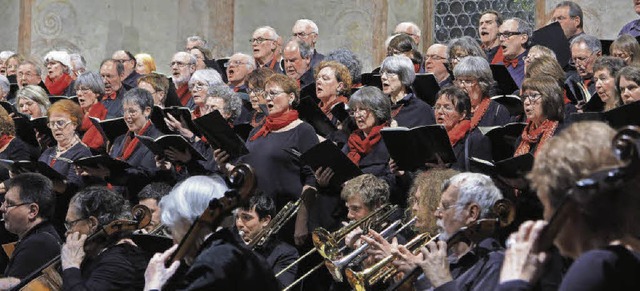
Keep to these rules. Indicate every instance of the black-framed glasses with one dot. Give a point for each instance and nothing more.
(259, 40)
(532, 98)
(69, 224)
(508, 34)
(8, 206)
(301, 34)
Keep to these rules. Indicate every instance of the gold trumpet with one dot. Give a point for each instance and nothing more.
(286, 213)
(383, 269)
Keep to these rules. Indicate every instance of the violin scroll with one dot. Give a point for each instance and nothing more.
(505, 212)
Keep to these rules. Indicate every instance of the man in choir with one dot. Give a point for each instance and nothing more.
(29, 73)
(112, 73)
(435, 61)
(252, 219)
(410, 29)
(297, 62)
(264, 42)
(128, 61)
(569, 15)
(194, 41)
(633, 27)
(238, 67)
(183, 65)
(307, 31)
(26, 210)
(515, 35)
(78, 64)
(585, 49)
(490, 21)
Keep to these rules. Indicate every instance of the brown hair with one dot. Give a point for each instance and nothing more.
(629, 45)
(258, 77)
(372, 190)
(7, 127)
(552, 102)
(68, 107)
(287, 84)
(340, 71)
(545, 66)
(430, 185)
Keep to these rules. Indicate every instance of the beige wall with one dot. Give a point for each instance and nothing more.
(96, 28)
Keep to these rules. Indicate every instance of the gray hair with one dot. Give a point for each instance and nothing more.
(349, 60)
(6, 54)
(271, 30)
(477, 67)
(308, 23)
(592, 42)
(209, 76)
(466, 43)
(35, 64)
(574, 10)
(92, 81)
(475, 188)
(36, 94)
(4, 85)
(251, 62)
(232, 102)
(413, 26)
(400, 65)
(371, 98)
(140, 97)
(77, 61)
(306, 51)
(524, 27)
(197, 38)
(119, 66)
(188, 200)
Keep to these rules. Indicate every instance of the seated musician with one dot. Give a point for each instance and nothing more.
(467, 198)
(600, 234)
(253, 218)
(150, 197)
(99, 262)
(219, 261)
(27, 208)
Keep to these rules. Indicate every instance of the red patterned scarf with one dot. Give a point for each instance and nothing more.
(326, 108)
(92, 137)
(5, 139)
(459, 131)
(184, 94)
(479, 112)
(275, 122)
(537, 135)
(57, 87)
(359, 146)
(131, 142)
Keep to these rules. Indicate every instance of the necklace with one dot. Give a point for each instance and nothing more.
(60, 149)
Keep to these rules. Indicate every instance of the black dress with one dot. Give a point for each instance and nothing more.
(17, 150)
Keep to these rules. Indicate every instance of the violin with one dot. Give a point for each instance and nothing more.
(242, 185)
(47, 278)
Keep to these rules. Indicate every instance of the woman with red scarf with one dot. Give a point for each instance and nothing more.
(89, 88)
(544, 108)
(58, 80)
(333, 83)
(452, 111)
(12, 147)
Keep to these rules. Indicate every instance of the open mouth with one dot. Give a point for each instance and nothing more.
(484, 33)
(440, 120)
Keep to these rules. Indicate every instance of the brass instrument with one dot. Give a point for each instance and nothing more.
(383, 269)
(336, 266)
(285, 214)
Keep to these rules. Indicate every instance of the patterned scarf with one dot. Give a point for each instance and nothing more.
(359, 146)
(537, 135)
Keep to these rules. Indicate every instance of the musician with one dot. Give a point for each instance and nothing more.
(99, 262)
(467, 198)
(150, 197)
(600, 234)
(27, 210)
(397, 74)
(219, 262)
(424, 197)
(253, 218)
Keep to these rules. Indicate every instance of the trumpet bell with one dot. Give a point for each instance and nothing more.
(335, 271)
(355, 279)
(325, 243)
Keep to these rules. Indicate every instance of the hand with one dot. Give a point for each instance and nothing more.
(72, 252)
(162, 163)
(222, 159)
(156, 274)
(394, 168)
(178, 126)
(100, 171)
(519, 261)
(406, 261)
(434, 263)
(8, 283)
(323, 176)
(380, 247)
(175, 155)
(352, 239)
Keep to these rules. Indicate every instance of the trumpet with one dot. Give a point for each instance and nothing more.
(336, 266)
(285, 214)
(383, 270)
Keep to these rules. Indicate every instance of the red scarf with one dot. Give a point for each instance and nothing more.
(326, 108)
(58, 86)
(184, 94)
(131, 142)
(538, 135)
(359, 146)
(416, 68)
(92, 137)
(513, 63)
(497, 57)
(196, 113)
(275, 122)
(479, 112)
(459, 131)
(5, 139)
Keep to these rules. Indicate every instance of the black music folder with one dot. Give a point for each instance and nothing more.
(114, 165)
(594, 104)
(220, 135)
(412, 148)
(514, 167)
(503, 138)
(426, 87)
(54, 99)
(164, 142)
(553, 37)
(33, 167)
(110, 129)
(506, 84)
(327, 154)
(628, 114)
(182, 114)
(513, 103)
(309, 111)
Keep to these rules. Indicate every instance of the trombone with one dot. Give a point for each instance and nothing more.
(285, 214)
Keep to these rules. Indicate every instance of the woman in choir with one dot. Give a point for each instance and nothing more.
(100, 262)
(627, 84)
(255, 89)
(145, 64)
(201, 54)
(535, 52)
(12, 64)
(33, 101)
(458, 48)
(604, 74)
(626, 47)
(473, 75)
(90, 89)
(157, 85)
(333, 85)
(452, 111)
(543, 106)
(59, 80)
(199, 85)
(599, 233)
(403, 44)
(548, 66)
(11, 146)
(397, 75)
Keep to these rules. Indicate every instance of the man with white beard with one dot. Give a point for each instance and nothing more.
(183, 65)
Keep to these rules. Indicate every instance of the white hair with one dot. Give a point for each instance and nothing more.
(271, 30)
(475, 188)
(308, 22)
(251, 62)
(6, 54)
(209, 76)
(4, 85)
(414, 27)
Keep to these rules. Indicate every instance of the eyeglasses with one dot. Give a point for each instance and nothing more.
(255, 91)
(179, 64)
(272, 94)
(456, 59)
(531, 98)
(235, 63)
(58, 124)
(7, 206)
(132, 112)
(357, 111)
(51, 63)
(302, 34)
(463, 82)
(388, 74)
(443, 107)
(25, 75)
(508, 34)
(444, 208)
(198, 86)
(434, 57)
(581, 60)
(259, 40)
(68, 225)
